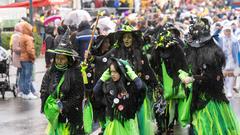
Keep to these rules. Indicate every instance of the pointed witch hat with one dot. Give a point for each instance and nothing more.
(64, 46)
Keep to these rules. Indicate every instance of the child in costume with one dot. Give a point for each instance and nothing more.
(122, 92)
(98, 57)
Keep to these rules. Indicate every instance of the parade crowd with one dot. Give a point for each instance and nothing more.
(136, 73)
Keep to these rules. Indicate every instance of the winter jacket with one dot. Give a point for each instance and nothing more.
(26, 43)
(49, 40)
(216, 36)
(57, 40)
(83, 37)
(239, 57)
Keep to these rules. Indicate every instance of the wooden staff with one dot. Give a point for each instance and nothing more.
(84, 63)
(93, 32)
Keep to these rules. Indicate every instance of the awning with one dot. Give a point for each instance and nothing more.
(36, 3)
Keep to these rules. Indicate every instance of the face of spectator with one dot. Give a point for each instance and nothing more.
(127, 39)
(227, 33)
(61, 59)
(114, 74)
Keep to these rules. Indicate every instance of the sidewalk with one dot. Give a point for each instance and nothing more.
(39, 70)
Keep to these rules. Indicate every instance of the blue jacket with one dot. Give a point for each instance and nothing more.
(216, 36)
(235, 49)
(239, 56)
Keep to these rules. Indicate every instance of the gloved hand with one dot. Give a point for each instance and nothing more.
(182, 74)
(106, 75)
(84, 67)
(132, 75)
(185, 78)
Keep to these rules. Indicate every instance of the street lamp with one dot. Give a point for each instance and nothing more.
(31, 11)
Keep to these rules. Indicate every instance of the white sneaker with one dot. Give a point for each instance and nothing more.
(229, 95)
(25, 96)
(31, 96)
(37, 94)
(20, 94)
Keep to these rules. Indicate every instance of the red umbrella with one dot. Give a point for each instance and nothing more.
(36, 3)
(51, 19)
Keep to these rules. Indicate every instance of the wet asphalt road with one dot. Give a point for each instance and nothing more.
(19, 116)
(23, 117)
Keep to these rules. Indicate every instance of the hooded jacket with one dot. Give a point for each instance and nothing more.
(83, 37)
(16, 49)
(26, 43)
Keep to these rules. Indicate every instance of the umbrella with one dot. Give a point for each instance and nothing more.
(51, 19)
(106, 25)
(76, 17)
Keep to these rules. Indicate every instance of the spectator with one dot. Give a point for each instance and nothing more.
(27, 58)
(216, 32)
(60, 32)
(229, 45)
(83, 37)
(16, 51)
(49, 41)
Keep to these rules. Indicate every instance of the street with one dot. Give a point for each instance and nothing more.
(19, 116)
(23, 117)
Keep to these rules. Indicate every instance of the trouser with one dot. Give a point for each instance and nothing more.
(18, 77)
(25, 82)
(237, 85)
(228, 84)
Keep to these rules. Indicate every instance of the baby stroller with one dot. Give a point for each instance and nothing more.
(4, 73)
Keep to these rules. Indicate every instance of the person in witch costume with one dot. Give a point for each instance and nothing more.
(167, 58)
(99, 56)
(130, 44)
(122, 92)
(63, 84)
(211, 113)
(102, 50)
(175, 32)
